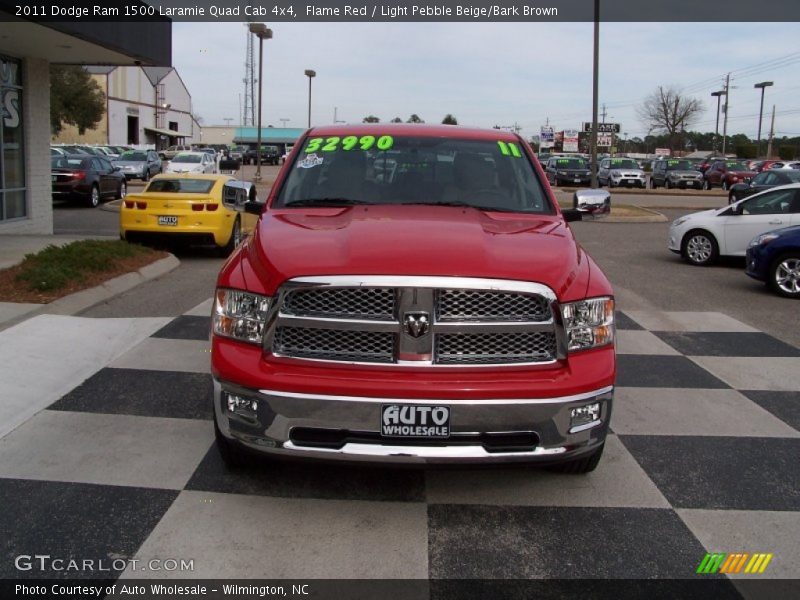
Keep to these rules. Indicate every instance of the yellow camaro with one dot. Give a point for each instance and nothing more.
(190, 209)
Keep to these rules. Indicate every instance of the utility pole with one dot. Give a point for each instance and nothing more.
(725, 121)
(604, 114)
(771, 133)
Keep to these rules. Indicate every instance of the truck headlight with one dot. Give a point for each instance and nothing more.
(588, 323)
(240, 315)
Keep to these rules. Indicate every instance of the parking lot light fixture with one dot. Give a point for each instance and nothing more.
(762, 85)
(310, 74)
(263, 33)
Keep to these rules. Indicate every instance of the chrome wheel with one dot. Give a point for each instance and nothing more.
(94, 199)
(725, 185)
(237, 234)
(123, 190)
(699, 249)
(787, 276)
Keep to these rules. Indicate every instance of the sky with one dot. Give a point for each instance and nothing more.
(488, 74)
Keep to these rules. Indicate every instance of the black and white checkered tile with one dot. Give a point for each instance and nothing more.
(704, 455)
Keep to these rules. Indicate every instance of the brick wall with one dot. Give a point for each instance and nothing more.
(36, 120)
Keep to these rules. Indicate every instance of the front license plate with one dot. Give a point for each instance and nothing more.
(415, 421)
(577, 181)
(168, 221)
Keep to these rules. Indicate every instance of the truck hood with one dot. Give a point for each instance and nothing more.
(414, 240)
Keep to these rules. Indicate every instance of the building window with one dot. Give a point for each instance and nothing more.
(12, 159)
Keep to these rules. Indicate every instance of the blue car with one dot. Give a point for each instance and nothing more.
(774, 257)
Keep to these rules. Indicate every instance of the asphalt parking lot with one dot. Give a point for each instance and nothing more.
(702, 458)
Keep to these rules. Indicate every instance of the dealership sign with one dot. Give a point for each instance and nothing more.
(604, 140)
(602, 127)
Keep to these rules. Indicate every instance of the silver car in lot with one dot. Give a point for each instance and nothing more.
(675, 173)
(139, 164)
(615, 172)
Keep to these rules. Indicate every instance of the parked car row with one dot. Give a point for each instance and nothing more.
(103, 151)
(764, 227)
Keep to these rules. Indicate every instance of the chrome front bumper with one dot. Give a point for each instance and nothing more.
(278, 413)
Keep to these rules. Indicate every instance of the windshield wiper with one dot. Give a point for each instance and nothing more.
(325, 202)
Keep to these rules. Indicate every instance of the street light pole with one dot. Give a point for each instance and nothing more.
(264, 33)
(595, 70)
(310, 74)
(718, 94)
(761, 85)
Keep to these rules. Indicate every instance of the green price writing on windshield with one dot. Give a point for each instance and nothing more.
(350, 142)
(509, 149)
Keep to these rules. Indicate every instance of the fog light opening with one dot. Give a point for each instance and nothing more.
(242, 406)
(584, 417)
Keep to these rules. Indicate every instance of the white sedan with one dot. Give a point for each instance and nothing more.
(192, 162)
(702, 237)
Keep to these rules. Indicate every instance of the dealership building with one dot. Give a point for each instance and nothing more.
(145, 106)
(27, 48)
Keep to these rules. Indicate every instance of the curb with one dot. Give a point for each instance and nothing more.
(79, 301)
(113, 206)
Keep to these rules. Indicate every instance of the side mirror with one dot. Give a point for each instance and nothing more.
(572, 214)
(253, 208)
(594, 202)
(235, 194)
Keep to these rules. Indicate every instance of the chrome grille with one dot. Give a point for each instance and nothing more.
(479, 305)
(375, 319)
(348, 303)
(493, 348)
(330, 344)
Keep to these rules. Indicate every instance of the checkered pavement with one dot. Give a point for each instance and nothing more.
(703, 457)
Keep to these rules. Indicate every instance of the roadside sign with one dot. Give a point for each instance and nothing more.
(546, 137)
(604, 139)
(663, 152)
(602, 127)
(570, 143)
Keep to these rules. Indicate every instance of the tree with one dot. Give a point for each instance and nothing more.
(414, 119)
(75, 99)
(449, 120)
(667, 111)
(371, 119)
(397, 120)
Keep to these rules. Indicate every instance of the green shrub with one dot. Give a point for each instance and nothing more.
(57, 266)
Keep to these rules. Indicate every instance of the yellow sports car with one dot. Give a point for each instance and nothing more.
(190, 209)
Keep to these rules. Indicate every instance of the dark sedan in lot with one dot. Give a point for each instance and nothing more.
(86, 178)
(568, 171)
(763, 181)
(774, 258)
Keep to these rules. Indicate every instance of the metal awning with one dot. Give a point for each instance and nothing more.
(168, 132)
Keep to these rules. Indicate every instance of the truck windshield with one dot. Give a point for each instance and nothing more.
(381, 169)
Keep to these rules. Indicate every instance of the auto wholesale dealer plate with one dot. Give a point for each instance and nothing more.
(168, 221)
(415, 421)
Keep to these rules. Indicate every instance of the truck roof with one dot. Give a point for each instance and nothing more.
(414, 129)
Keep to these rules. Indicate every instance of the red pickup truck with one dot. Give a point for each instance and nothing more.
(413, 293)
